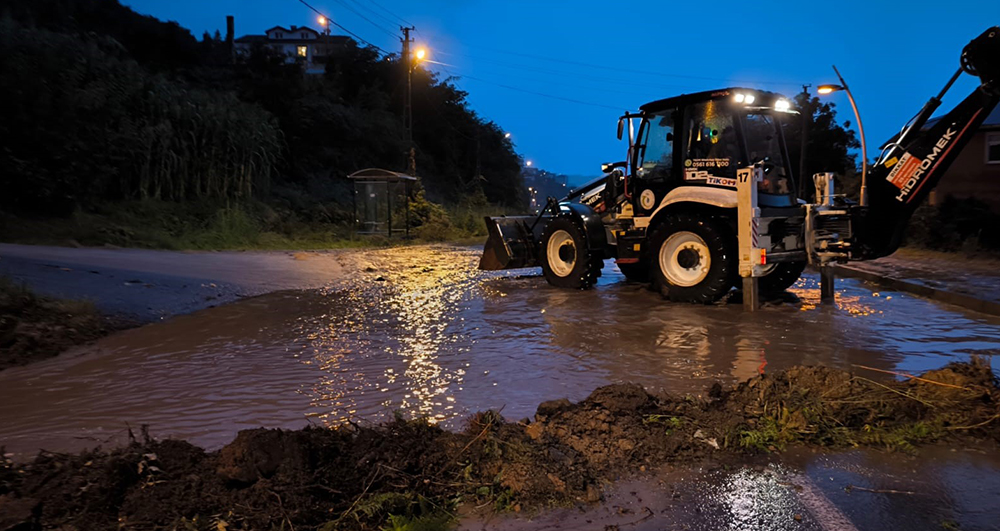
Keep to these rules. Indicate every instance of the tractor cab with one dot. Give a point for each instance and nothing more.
(700, 140)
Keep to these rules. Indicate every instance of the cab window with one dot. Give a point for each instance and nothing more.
(657, 147)
(712, 146)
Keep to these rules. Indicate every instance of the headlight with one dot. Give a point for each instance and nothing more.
(782, 105)
(749, 99)
(739, 98)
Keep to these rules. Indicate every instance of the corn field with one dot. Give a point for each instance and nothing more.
(82, 123)
(190, 144)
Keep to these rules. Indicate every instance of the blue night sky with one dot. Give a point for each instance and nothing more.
(895, 55)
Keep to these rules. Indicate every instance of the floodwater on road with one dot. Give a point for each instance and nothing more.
(421, 332)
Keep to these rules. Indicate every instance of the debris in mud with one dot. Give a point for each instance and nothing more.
(33, 327)
(409, 472)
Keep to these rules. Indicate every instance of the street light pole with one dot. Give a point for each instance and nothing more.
(827, 89)
(806, 119)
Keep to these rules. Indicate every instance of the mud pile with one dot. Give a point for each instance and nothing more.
(410, 473)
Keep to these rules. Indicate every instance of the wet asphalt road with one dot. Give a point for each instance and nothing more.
(420, 331)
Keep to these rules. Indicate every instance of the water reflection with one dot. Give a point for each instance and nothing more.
(425, 334)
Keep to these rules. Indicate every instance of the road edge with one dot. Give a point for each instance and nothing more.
(915, 288)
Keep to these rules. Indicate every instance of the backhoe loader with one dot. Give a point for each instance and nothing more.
(670, 213)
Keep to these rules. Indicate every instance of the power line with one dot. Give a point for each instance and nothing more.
(370, 21)
(628, 70)
(401, 19)
(601, 79)
(392, 23)
(349, 32)
(542, 94)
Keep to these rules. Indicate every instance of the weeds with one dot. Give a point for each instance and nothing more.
(34, 327)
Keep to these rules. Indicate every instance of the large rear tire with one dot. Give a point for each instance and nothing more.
(693, 259)
(781, 277)
(567, 261)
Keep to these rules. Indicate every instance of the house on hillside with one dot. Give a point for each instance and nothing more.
(976, 171)
(298, 43)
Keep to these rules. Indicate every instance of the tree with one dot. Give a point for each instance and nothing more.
(828, 146)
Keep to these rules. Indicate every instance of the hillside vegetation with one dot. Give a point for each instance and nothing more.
(119, 128)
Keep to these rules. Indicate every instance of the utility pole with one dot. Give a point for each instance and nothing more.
(806, 122)
(408, 107)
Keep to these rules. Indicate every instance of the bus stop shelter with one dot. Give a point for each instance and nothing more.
(379, 197)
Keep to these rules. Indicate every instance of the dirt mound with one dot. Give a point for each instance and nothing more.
(365, 477)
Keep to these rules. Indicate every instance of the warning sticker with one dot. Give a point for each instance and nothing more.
(722, 181)
(903, 170)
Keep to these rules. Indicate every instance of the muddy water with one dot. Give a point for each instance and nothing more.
(420, 331)
(944, 488)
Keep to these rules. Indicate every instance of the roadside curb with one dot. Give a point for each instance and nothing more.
(950, 297)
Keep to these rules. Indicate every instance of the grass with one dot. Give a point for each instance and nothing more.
(248, 226)
(33, 327)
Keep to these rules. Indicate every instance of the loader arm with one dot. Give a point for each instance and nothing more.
(913, 164)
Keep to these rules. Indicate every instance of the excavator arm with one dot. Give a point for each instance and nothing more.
(912, 165)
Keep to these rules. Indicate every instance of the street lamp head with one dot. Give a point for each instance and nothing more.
(420, 54)
(322, 21)
(828, 89)
(506, 135)
(528, 163)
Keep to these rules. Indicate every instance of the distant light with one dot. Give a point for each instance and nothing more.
(782, 105)
(506, 135)
(530, 189)
(421, 53)
(749, 99)
(527, 163)
(739, 98)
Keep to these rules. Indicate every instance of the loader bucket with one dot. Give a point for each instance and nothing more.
(512, 243)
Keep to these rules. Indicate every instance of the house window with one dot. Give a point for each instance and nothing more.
(302, 51)
(304, 35)
(993, 148)
(279, 35)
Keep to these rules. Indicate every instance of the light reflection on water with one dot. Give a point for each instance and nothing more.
(438, 339)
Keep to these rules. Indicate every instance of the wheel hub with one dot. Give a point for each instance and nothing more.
(560, 251)
(685, 259)
(688, 258)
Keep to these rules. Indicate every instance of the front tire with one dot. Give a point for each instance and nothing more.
(567, 261)
(693, 259)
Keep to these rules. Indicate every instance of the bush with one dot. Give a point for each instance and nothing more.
(955, 225)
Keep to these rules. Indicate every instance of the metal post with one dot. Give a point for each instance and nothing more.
(388, 202)
(751, 294)
(826, 283)
(806, 118)
(861, 130)
(747, 234)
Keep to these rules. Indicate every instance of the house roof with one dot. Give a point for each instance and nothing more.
(992, 121)
(323, 39)
(292, 29)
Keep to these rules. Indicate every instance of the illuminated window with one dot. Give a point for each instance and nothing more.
(993, 148)
(302, 51)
